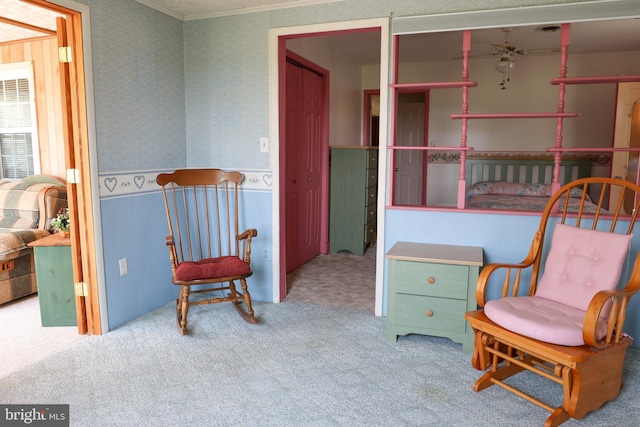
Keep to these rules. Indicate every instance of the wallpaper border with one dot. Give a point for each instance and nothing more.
(123, 184)
(449, 157)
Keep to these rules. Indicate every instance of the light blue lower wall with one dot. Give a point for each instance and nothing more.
(135, 227)
(504, 238)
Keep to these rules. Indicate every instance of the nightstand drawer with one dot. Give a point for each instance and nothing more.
(438, 280)
(440, 314)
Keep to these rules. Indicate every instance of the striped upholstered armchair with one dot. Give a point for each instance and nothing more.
(26, 209)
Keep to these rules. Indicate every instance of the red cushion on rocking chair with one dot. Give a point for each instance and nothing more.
(210, 268)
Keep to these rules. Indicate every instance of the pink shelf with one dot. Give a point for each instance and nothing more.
(595, 79)
(434, 85)
(513, 115)
(592, 150)
(410, 147)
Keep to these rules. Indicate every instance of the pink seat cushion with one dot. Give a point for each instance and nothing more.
(581, 262)
(541, 319)
(210, 268)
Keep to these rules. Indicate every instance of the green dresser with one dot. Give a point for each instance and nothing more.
(430, 287)
(54, 274)
(354, 179)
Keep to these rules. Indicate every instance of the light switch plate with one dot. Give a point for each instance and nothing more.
(264, 145)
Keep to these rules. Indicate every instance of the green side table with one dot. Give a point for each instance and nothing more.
(54, 274)
(429, 288)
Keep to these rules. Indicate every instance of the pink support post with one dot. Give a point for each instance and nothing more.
(466, 47)
(557, 158)
(394, 116)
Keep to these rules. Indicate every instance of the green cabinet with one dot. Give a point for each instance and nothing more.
(430, 287)
(54, 274)
(354, 179)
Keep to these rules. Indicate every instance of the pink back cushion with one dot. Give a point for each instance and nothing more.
(581, 263)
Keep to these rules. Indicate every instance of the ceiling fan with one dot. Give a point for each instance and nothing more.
(508, 49)
(508, 54)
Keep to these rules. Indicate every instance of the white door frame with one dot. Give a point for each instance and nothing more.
(274, 130)
(93, 156)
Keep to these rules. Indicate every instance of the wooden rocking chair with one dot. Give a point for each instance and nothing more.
(566, 324)
(205, 246)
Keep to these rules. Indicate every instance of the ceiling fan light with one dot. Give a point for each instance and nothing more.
(504, 65)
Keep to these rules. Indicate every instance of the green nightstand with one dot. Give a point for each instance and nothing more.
(430, 287)
(54, 274)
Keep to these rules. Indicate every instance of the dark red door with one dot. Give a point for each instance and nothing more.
(303, 165)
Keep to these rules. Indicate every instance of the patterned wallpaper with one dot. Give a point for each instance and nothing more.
(155, 109)
(138, 79)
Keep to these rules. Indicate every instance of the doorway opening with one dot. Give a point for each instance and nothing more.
(277, 57)
(371, 118)
(625, 164)
(410, 166)
(69, 97)
(72, 122)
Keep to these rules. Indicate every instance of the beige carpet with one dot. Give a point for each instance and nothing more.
(336, 280)
(23, 339)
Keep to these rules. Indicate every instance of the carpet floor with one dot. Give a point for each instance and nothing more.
(302, 365)
(338, 280)
(23, 339)
(318, 359)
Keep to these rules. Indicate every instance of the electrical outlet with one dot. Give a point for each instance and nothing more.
(123, 266)
(266, 255)
(264, 145)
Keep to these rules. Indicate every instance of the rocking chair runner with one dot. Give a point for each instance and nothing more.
(567, 326)
(205, 246)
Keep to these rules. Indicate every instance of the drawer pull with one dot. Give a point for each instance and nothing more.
(431, 280)
(429, 313)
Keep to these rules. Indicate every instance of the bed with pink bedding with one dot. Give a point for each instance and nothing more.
(518, 183)
(513, 196)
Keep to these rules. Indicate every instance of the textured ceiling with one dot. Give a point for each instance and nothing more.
(18, 18)
(586, 37)
(13, 13)
(198, 9)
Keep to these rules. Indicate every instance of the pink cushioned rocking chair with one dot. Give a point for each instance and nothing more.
(205, 245)
(566, 325)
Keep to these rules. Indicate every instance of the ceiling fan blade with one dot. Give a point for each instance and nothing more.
(480, 55)
(539, 51)
(499, 47)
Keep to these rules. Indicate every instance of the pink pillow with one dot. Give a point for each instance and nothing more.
(581, 263)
